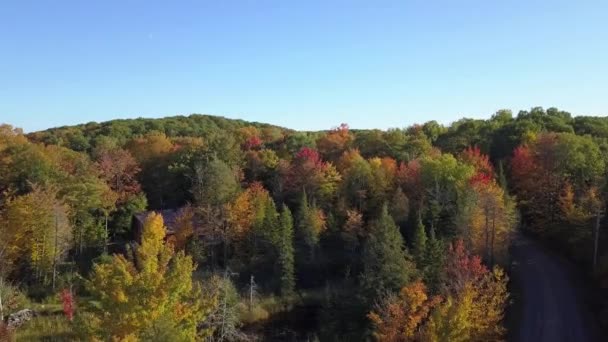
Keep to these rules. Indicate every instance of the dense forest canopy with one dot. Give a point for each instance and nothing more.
(394, 235)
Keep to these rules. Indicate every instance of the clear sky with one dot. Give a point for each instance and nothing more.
(301, 64)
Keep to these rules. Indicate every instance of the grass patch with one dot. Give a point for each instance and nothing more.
(46, 328)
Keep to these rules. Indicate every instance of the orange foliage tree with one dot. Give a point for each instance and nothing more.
(400, 317)
(333, 144)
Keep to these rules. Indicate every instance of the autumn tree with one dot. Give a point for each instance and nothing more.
(152, 152)
(475, 300)
(382, 182)
(452, 319)
(490, 301)
(335, 142)
(544, 168)
(311, 222)
(356, 188)
(247, 232)
(184, 228)
(135, 298)
(79, 185)
(249, 137)
(119, 169)
(37, 234)
(310, 174)
(409, 178)
(491, 220)
(261, 166)
(23, 163)
(400, 317)
(353, 231)
(480, 161)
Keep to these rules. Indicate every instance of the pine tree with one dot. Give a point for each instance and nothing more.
(386, 264)
(311, 223)
(399, 207)
(303, 214)
(270, 228)
(419, 244)
(286, 252)
(434, 262)
(502, 177)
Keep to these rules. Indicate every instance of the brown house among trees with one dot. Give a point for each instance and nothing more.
(169, 218)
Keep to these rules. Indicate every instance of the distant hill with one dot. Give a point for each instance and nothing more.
(497, 135)
(82, 137)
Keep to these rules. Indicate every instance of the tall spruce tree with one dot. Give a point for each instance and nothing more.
(311, 223)
(286, 252)
(434, 262)
(386, 263)
(419, 244)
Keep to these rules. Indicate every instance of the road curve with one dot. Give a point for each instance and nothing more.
(548, 302)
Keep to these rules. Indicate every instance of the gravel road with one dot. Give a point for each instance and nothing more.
(549, 302)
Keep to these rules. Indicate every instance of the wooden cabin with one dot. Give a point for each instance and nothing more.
(169, 217)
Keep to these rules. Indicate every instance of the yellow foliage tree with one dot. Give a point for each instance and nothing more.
(246, 210)
(488, 306)
(452, 320)
(475, 313)
(36, 231)
(473, 309)
(399, 318)
(491, 221)
(148, 296)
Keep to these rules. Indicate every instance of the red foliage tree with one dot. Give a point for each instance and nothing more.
(410, 179)
(119, 169)
(252, 143)
(480, 178)
(461, 267)
(522, 163)
(67, 300)
(481, 162)
(332, 145)
(538, 182)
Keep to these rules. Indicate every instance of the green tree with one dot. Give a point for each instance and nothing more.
(286, 252)
(386, 263)
(399, 207)
(214, 183)
(434, 262)
(419, 244)
(444, 179)
(311, 223)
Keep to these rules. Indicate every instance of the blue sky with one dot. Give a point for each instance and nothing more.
(300, 64)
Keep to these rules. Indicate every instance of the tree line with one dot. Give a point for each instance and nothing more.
(397, 235)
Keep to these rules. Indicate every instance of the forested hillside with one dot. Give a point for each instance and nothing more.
(251, 231)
